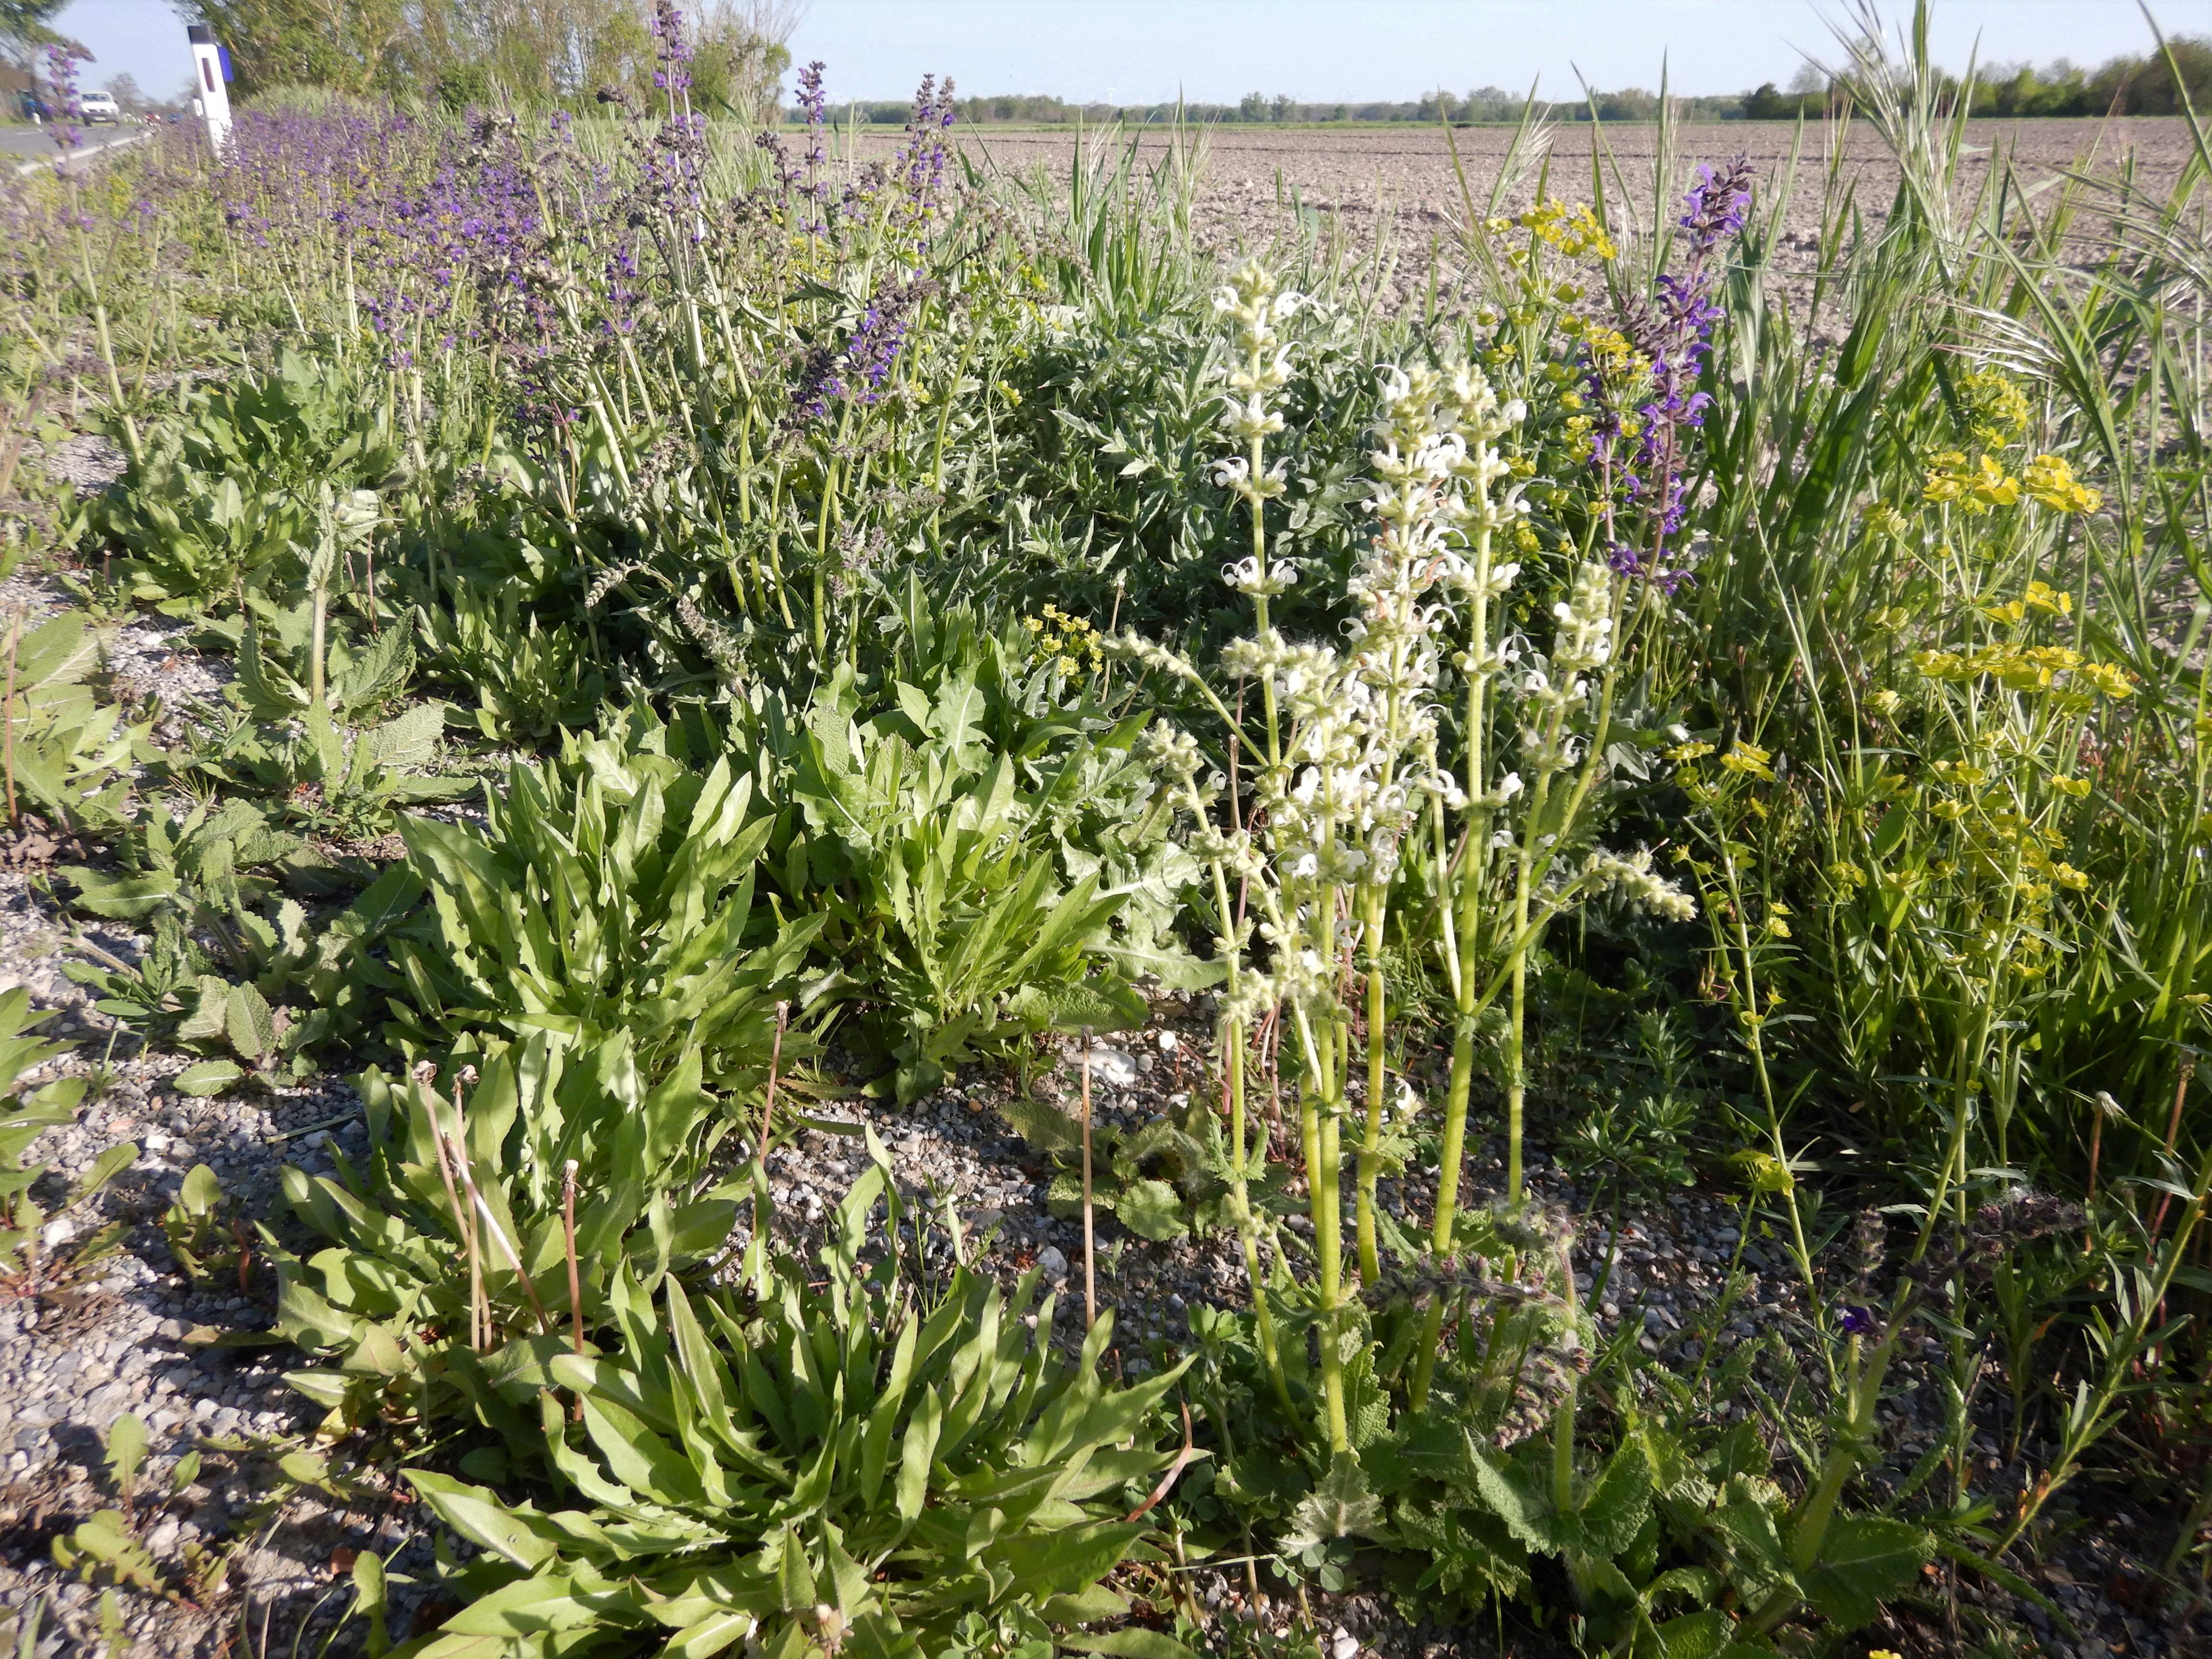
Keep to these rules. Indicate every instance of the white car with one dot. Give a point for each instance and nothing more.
(99, 107)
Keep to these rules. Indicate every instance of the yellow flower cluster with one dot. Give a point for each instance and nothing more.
(2049, 480)
(2040, 596)
(1883, 520)
(2025, 667)
(1610, 353)
(1996, 408)
(1067, 643)
(1977, 485)
(2035, 849)
(1749, 759)
(1574, 231)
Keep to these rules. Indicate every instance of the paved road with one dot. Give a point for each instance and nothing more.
(36, 144)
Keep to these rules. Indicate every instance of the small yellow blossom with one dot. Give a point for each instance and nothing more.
(1688, 751)
(2110, 678)
(1574, 231)
(2042, 596)
(1749, 758)
(1608, 351)
(1976, 486)
(1885, 703)
(1996, 408)
(2076, 787)
(2049, 480)
(1883, 520)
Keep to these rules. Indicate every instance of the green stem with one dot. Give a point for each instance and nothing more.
(1329, 1249)
(1371, 1143)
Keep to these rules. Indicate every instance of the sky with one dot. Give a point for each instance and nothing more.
(1133, 52)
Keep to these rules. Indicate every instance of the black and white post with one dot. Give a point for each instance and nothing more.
(210, 92)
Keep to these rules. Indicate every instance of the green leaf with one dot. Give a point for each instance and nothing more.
(126, 1450)
(1341, 1505)
(1153, 1210)
(1518, 1493)
(1613, 1511)
(1864, 1560)
(1046, 1128)
(1759, 1561)
(480, 1517)
(105, 1168)
(1696, 1636)
(250, 1023)
(210, 1076)
(1084, 1608)
(371, 1600)
(1130, 1642)
(201, 1191)
(918, 1447)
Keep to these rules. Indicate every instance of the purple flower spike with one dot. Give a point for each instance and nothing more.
(1674, 333)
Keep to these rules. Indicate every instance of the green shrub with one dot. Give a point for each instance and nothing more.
(988, 854)
(416, 1297)
(820, 1460)
(610, 892)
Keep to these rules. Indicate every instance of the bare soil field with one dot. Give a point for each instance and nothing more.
(1403, 185)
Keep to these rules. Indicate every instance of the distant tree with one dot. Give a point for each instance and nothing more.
(123, 89)
(741, 54)
(1253, 107)
(25, 25)
(1767, 104)
(1282, 108)
(346, 45)
(2144, 86)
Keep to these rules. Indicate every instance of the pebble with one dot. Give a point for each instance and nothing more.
(1115, 1068)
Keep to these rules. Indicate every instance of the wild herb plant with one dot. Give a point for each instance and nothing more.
(66, 754)
(496, 1212)
(612, 895)
(32, 1264)
(860, 1457)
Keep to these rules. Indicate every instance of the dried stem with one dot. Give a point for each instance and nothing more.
(479, 1308)
(774, 1066)
(8, 704)
(1089, 1271)
(568, 1237)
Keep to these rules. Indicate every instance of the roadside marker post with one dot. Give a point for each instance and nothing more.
(210, 93)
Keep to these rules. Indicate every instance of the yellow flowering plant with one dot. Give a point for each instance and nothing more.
(1975, 486)
(2049, 481)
